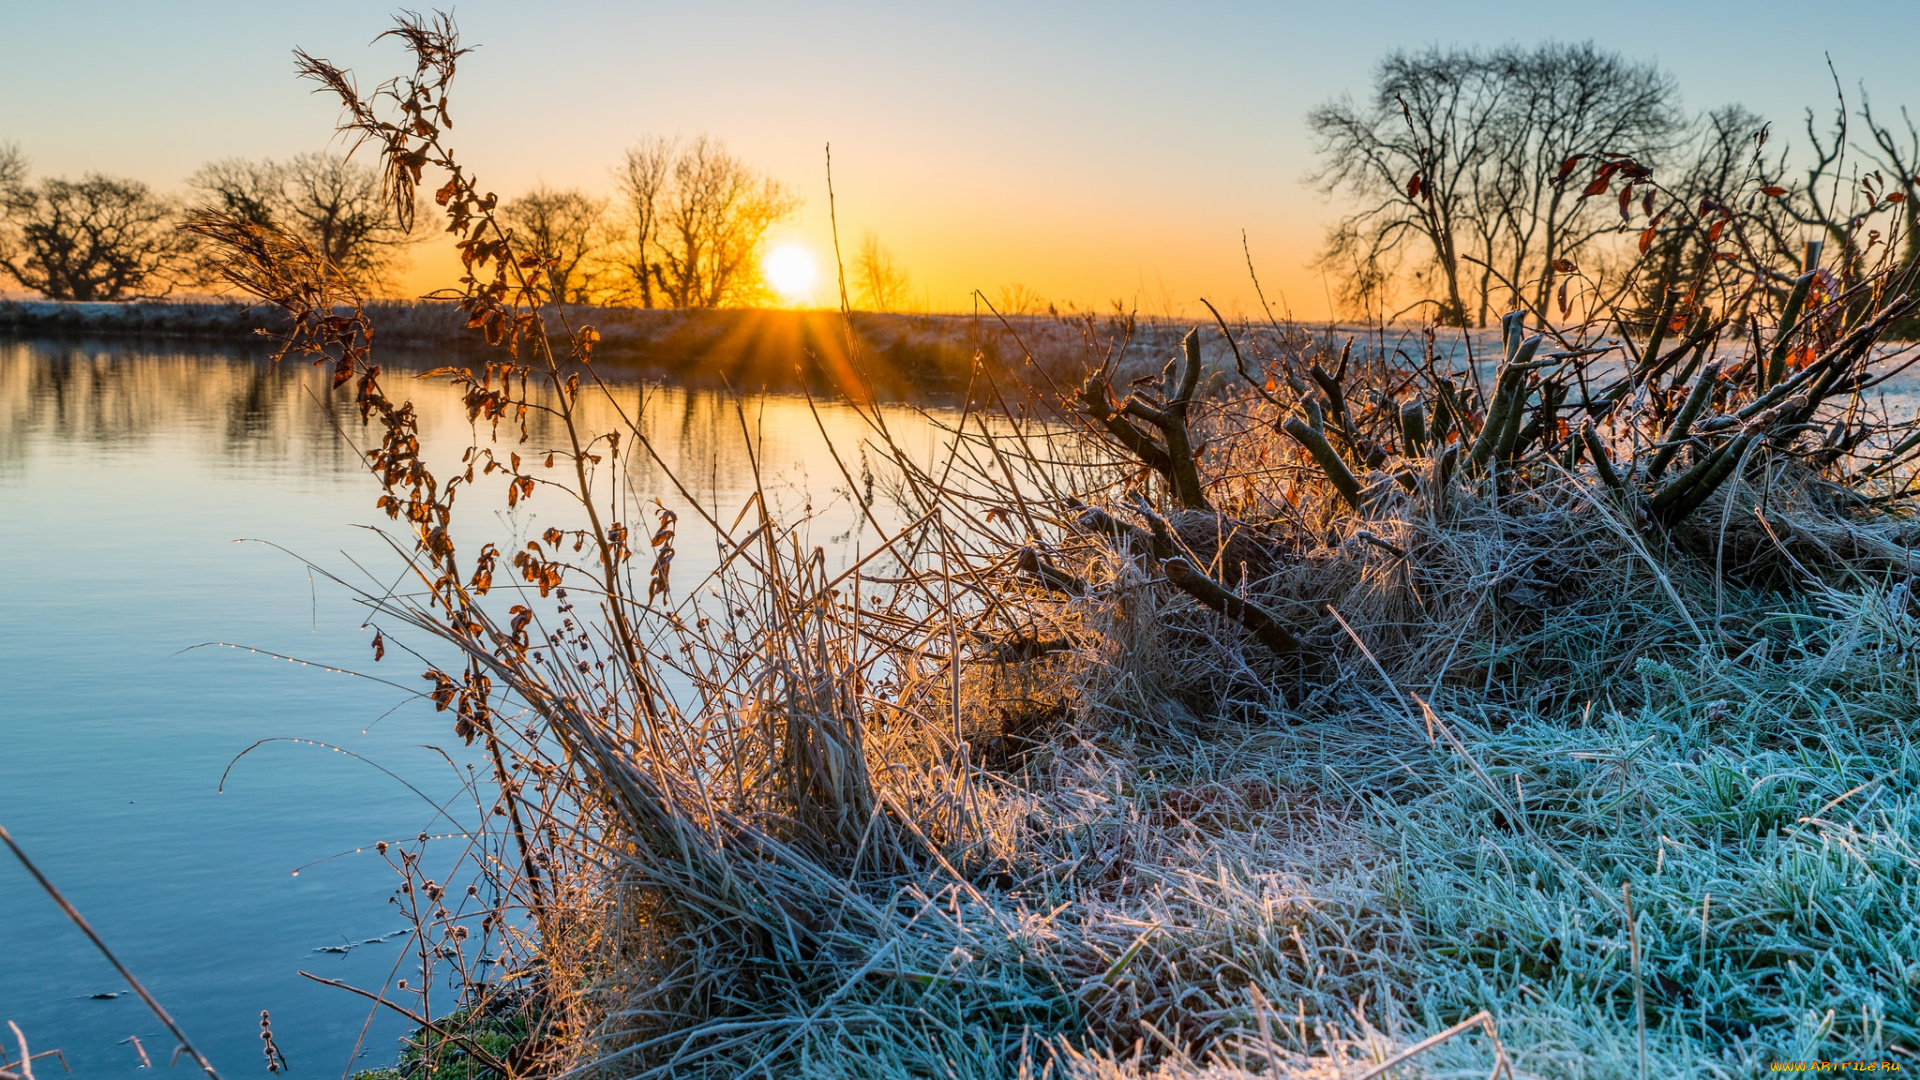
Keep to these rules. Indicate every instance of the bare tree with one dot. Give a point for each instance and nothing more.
(13, 178)
(1842, 196)
(1897, 160)
(1462, 149)
(643, 179)
(566, 229)
(250, 190)
(13, 166)
(338, 204)
(718, 215)
(328, 200)
(1020, 299)
(96, 238)
(1735, 217)
(1570, 101)
(696, 220)
(1713, 178)
(1413, 156)
(878, 276)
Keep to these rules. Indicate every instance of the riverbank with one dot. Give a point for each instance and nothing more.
(1253, 730)
(904, 354)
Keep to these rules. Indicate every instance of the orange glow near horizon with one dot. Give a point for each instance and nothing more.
(1066, 162)
(1160, 269)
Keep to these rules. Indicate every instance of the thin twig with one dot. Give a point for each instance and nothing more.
(86, 929)
(478, 1052)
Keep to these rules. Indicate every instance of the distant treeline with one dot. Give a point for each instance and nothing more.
(1483, 180)
(684, 229)
(1474, 181)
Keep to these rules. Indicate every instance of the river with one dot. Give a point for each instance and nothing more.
(156, 498)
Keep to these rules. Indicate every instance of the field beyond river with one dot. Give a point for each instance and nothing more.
(743, 347)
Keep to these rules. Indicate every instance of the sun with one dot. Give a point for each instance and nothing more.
(791, 271)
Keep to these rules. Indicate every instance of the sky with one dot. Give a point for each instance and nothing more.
(1091, 152)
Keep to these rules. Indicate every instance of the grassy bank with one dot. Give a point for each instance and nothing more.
(1021, 801)
(1016, 798)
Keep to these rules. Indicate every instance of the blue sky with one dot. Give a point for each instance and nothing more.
(1089, 151)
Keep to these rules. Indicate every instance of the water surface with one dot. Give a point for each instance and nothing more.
(131, 482)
